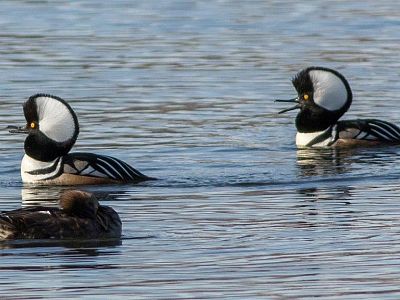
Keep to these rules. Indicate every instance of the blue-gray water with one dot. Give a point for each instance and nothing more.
(183, 90)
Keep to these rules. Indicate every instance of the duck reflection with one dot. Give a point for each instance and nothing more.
(81, 247)
(338, 161)
(41, 195)
(326, 207)
(36, 195)
(340, 194)
(323, 161)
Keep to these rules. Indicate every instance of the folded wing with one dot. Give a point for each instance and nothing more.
(101, 166)
(369, 130)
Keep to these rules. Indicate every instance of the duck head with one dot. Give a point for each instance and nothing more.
(51, 125)
(323, 96)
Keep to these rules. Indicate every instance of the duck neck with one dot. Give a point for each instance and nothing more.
(41, 148)
(309, 121)
(33, 170)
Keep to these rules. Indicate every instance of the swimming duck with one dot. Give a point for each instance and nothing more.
(52, 128)
(324, 95)
(79, 217)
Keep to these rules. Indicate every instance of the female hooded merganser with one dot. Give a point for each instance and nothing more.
(79, 217)
(52, 129)
(324, 95)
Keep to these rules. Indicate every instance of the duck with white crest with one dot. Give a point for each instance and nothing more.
(324, 95)
(52, 128)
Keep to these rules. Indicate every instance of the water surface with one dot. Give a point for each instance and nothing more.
(183, 90)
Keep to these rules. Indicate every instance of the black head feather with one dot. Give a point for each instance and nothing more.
(38, 145)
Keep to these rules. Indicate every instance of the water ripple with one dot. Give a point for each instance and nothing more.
(183, 90)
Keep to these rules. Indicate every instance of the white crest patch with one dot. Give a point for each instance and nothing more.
(329, 90)
(55, 119)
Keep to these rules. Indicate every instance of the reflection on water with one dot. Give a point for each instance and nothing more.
(320, 162)
(341, 194)
(81, 247)
(336, 161)
(50, 195)
(40, 195)
(183, 90)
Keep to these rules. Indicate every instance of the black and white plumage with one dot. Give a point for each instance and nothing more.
(89, 164)
(52, 129)
(79, 217)
(324, 95)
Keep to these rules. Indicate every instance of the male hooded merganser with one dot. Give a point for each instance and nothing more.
(324, 95)
(79, 217)
(52, 129)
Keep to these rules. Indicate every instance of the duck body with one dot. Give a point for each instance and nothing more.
(79, 168)
(79, 217)
(359, 132)
(52, 129)
(324, 95)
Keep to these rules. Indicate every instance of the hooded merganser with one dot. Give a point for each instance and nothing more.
(324, 95)
(52, 129)
(79, 217)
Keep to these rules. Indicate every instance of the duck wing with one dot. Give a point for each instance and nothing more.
(39, 222)
(368, 130)
(30, 222)
(101, 166)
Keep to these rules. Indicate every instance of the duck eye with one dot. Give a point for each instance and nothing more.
(33, 125)
(305, 96)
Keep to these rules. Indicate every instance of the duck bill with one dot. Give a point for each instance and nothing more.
(297, 106)
(294, 100)
(16, 129)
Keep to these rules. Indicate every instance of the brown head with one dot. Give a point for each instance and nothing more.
(79, 203)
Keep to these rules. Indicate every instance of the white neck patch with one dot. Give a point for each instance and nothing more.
(304, 139)
(329, 90)
(55, 119)
(29, 164)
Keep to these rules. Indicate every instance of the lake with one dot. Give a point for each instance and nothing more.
(184, 91)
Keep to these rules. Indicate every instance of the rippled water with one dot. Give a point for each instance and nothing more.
(183, 90)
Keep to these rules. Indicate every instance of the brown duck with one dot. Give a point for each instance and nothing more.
(79, 217)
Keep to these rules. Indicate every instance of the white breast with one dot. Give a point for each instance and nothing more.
(29, 165)
(305, 139)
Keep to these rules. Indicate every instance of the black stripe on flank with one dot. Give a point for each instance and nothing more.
(126, 172)
(391, 128)
(44, 171)
(110, 167)
(372, 129)
(382, 133)
(123, 169)
(114, 164)
(322, 137)
(115, 173)
(103, 170)
(130, 171)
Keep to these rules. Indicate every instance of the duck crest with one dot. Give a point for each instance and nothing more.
(324, 95)
(52, 128)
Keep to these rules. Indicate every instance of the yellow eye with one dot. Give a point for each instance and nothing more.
(305, 97)
(33, 125)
